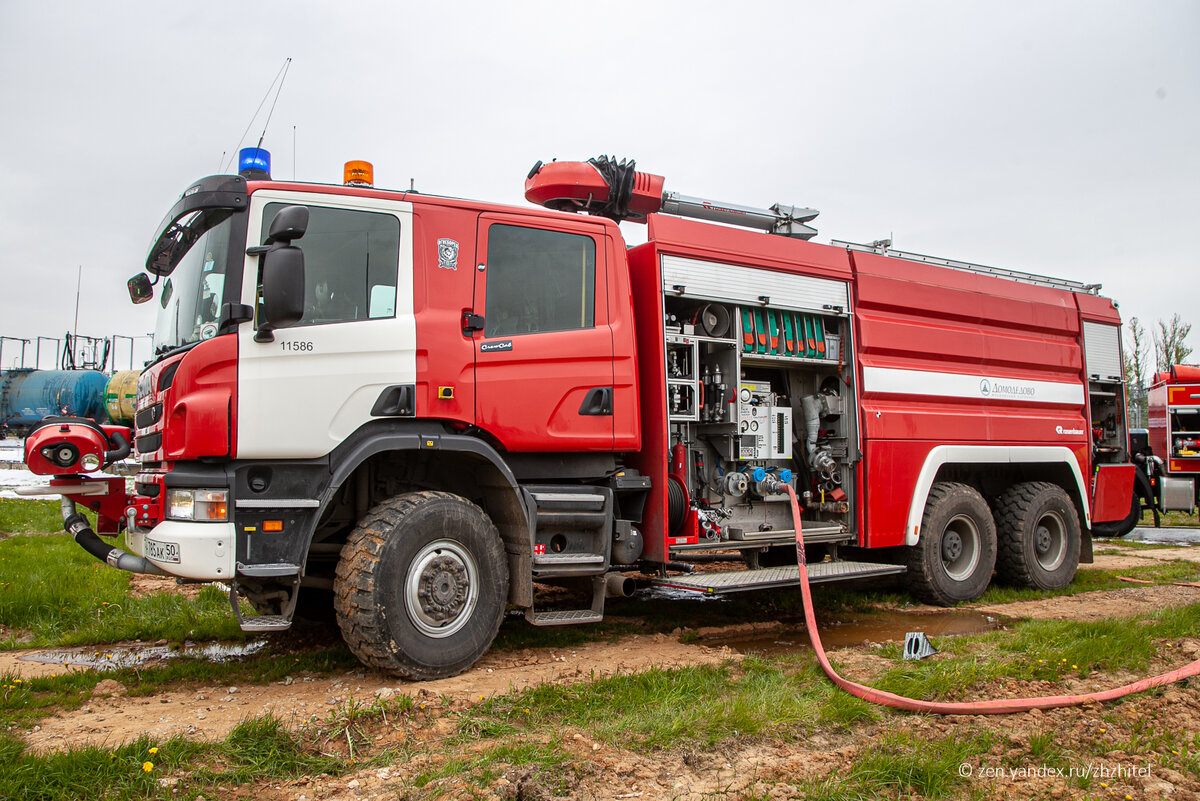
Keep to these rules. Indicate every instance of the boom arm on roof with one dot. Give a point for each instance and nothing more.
(614, 189)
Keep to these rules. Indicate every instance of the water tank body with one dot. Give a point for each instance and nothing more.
(120, 397)
(28, 396)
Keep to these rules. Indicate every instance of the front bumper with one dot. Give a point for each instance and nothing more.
(203, 551)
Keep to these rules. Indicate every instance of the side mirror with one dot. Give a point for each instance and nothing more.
(282, 272)
(290, 223)
(140, 289)
(282, 290)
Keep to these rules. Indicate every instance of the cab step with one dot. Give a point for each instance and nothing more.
(563, 617)
(769, 577)
(265, 623)
(287, 607)
(567, 617)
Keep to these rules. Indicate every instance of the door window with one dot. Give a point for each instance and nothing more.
(538, 281)
(350, 264)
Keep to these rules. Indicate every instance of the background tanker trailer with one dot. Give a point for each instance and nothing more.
(29, 396)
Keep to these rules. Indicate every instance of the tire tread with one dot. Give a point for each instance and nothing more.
(922, 583)
(357, 572)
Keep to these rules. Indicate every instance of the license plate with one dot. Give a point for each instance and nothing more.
(162, 551)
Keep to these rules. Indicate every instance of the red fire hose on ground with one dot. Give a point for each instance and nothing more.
(999, 707)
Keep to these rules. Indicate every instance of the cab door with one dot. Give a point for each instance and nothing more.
(543, 345)
(304, 392)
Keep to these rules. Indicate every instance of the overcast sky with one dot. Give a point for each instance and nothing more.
(1061, 138)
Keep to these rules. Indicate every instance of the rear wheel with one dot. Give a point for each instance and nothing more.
(422, 585)
(1038, 531)
(954, 557)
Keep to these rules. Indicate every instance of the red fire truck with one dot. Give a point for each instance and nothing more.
(422, 411)
(1169, 452)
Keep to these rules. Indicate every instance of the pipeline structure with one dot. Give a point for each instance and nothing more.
(991, 707)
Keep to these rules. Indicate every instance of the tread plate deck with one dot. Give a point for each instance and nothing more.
(743, 580)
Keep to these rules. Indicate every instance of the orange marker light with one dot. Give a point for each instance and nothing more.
(272, 525)
(358, 173)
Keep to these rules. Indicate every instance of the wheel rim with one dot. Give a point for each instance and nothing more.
(961, 543)
(1050, 541)
(441, 588)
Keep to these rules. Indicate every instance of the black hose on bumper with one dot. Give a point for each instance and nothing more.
(79, 528)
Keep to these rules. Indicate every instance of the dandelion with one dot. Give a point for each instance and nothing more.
(1104, 784)
(155, 750)
(147, 766)
(1074, 667)
(1102, 731)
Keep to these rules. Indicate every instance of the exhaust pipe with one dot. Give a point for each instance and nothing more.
(618, 586)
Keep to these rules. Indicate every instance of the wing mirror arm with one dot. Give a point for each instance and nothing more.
(282, 272)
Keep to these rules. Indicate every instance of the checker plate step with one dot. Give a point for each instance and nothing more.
(563, 618)
(265, 623)
(765, 578)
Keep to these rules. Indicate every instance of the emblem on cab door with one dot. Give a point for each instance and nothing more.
(448, 254)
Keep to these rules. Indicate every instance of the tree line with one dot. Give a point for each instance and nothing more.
(1168, 339)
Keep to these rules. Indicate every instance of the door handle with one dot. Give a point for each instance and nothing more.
(471, 323)
(598, 402)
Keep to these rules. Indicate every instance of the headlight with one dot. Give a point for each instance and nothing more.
(198, 504)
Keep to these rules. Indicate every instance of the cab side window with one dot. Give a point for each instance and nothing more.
(350, 264)
(538, 281)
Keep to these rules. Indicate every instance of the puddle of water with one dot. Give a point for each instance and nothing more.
(854, 630)
(112, 657)
(1151, 535)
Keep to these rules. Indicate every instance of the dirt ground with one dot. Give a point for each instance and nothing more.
(752, 769)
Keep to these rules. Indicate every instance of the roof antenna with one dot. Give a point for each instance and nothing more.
(279, 79)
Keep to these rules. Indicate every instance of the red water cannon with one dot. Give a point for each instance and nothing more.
(67, 446)
(600, 186)
(615, 189)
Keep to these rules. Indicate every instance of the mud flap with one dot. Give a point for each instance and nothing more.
(1085, 547)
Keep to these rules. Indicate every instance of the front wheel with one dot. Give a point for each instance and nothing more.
(1039, 536)
(421, 586)
(956, 553)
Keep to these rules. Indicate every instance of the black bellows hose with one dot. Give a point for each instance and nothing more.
(79, 528)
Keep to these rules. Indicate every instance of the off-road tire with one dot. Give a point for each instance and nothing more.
(1038, 536)
(421, 586)
(956, 553)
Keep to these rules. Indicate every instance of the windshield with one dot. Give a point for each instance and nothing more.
(190, 298)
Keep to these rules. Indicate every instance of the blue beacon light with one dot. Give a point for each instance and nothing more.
(254, 160)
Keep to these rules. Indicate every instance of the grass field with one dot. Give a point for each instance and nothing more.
(52, 593)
